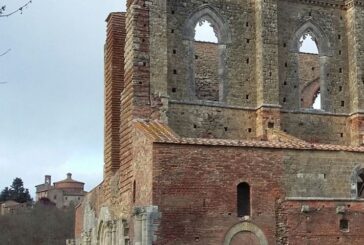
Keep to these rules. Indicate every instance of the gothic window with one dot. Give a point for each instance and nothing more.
(243, 199)
(207, 35)
(206, 62)
(309, 72)
(312, 53)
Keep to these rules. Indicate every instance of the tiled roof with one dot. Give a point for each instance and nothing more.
(161, 133)
(157, 131)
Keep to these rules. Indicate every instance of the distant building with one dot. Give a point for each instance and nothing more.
(62, 193)
(11, 207)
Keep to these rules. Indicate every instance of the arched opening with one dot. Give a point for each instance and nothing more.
(309, 72)
(243, 199)
(245, 233)
(245, 238)
(360, 183)
(206, 62)
(206, 35)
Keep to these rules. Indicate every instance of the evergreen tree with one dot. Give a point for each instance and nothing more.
(5, 194)
(16, 192)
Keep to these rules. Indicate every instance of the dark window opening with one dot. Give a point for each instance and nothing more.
(134, 191)
(243, 201)
(344, 225)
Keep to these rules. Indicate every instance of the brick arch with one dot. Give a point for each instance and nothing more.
(245, 227)
(222, 32)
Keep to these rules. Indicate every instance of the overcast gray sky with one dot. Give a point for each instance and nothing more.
(51, 106)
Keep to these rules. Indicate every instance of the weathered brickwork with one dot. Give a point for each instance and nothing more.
(218, 143)
(197, 187)
(319, 223)
(114, 85)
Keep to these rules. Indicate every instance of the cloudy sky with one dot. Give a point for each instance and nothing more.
(51, 90)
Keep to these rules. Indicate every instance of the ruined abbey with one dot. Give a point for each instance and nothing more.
(218, 143)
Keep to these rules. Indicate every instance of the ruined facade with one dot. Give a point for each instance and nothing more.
(229, 150)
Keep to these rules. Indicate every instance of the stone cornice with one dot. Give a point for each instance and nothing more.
(345, 5)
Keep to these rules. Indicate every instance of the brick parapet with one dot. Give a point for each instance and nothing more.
(114, 85)
(136, 101)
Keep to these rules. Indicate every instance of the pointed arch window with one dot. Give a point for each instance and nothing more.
(313, 50)
(206, 62)
(207, 35)
(309, 72)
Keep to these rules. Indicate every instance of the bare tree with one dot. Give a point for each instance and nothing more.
(3, 12)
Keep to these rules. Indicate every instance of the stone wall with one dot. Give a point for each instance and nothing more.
(317, 127)
(206, 77)
(320, 174)
(328, 26)
(203, 121)
(238, 43)
(242, 86)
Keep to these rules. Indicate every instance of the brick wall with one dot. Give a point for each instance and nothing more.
(195, 188)
(79, 221)
(321, 223)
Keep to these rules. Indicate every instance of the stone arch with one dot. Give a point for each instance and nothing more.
(309, 93)
(317, 33)
(223, 34)
(324, 54)
(358, 170)
(104, 228)
(245, 227)
(207, 12)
